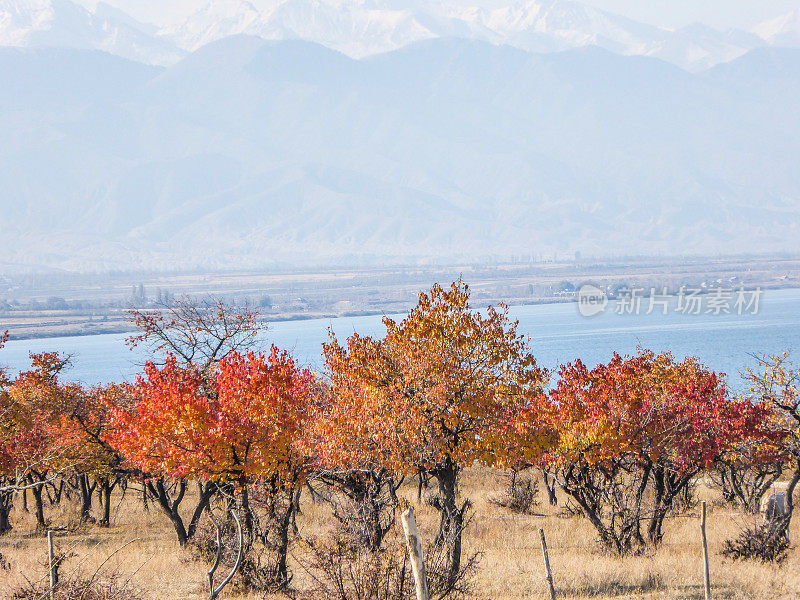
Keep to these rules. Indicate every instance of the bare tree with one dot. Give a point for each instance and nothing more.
(198, 332)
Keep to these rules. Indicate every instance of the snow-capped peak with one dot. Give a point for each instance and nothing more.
(362, 27)
(65, 24)
(781, 31)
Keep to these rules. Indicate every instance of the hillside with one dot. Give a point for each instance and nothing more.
(260, 152)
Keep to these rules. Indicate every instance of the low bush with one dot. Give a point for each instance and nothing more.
(521, 497)
(766, 543)
(78, 588)
(257, 572)
(342, 570)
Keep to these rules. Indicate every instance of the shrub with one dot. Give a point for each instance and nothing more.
(765, 543)
(342, 570)
(257, 571)
(520, 497)
(78, 588)
(345, 571)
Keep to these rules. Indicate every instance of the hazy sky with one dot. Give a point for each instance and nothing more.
(666, 13)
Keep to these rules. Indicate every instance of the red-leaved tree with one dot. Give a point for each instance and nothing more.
(233, 426)
(635, 432)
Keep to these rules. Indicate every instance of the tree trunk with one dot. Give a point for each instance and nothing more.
(783, 526)
(206, 492)
(144, 496)
(59, 491)
(6, 503)
(38, 502)
(169, 505)
(452, 519)
(246, 510)
(283, 543)
(87, 490)
(106, 487)
(661, 503)
(296, 502)
(550, 486)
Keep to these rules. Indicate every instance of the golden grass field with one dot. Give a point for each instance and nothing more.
(510, 567)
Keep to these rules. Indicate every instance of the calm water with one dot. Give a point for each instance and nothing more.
(558, 333)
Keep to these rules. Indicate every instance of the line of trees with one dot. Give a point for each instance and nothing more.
(443, 389)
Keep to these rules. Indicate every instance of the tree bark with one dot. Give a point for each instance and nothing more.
(87, 490)
(782, 527)
(170, 506)
(38, 502)
(6, 503)
(452, 517)
(106, 487)
(283, 543)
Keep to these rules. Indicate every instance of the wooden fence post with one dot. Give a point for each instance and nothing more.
(51, 562)
(706, 573)
(547, 571)
(415, 553)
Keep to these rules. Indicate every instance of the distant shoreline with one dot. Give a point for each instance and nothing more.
(21, 337)
(282, 318)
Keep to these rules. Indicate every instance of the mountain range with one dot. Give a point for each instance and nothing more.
(247, 153)
(361, 28)
(251, 153)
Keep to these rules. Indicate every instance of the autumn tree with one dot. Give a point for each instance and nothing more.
(33, 444)
(196, 334)
(776, 381)
(748, 469)
(634, 433)
(433, 394)
(237, 425)
(83, 426)
(363, 491)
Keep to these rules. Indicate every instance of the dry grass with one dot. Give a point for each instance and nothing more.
(510, 568)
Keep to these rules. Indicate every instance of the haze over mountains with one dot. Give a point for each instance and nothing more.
(533, 130)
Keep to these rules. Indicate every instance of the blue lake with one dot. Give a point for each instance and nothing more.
(724, 342)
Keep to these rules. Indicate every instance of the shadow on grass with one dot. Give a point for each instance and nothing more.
(653, 583)
(613, 587)
(695, 592)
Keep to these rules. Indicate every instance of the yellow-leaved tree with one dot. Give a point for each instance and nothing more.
(438, 393)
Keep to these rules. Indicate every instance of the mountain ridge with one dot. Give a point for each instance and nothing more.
(361, 28)
(255, 153)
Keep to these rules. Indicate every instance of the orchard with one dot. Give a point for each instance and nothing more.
(215, 426)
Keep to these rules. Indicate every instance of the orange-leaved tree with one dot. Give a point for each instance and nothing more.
(232, 426)
(196, 335)
(634, 433)
(436, 393)
(84, 423)
(34, 444)
(363, 490)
